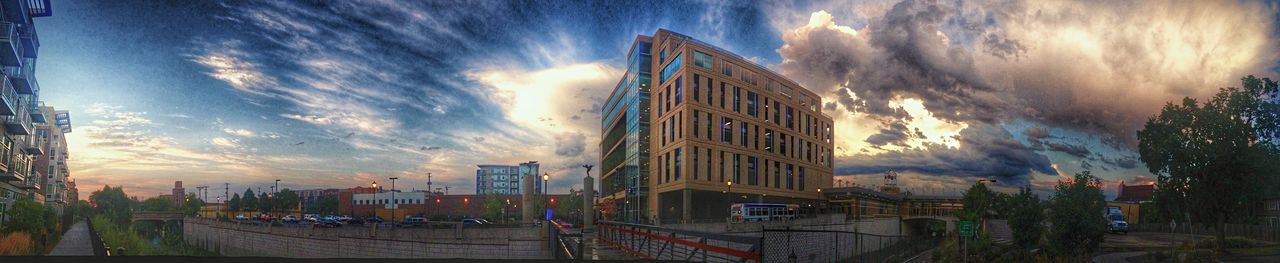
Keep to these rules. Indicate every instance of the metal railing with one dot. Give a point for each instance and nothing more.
(566, 243)
(100, 247)
(653, 242)
(809, 245)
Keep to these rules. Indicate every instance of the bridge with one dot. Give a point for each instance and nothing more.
(156, 216)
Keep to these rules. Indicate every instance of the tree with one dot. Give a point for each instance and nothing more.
(235, 202)
(112, 203)
(248, 202)
(1076, 214)
(571, 207)
(1213, 161)
(192, 205)
(327, 205)
(493, 205)
(978, 201)
(285, 200)
(157, 204)
(1026, 218)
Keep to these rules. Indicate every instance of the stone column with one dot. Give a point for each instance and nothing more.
(685, 215)
(526, 202)
(588, 203)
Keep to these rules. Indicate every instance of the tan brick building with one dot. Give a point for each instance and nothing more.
(674, 142)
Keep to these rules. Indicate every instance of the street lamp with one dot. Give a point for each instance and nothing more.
(545, 205)
(728, 195)
(393, 201)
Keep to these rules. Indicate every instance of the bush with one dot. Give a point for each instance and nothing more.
(114, 236)
(16, 244)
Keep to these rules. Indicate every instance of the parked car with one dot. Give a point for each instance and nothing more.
(414, 221)
(344, 218)
(310, 218)
(241, 217)
(373, 219)
(328, 223)
(289, 219)
(473, 222)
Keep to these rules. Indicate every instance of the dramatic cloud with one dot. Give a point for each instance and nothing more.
(1096, 68)
(984, 151)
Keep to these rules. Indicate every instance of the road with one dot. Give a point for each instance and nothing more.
(75, 242)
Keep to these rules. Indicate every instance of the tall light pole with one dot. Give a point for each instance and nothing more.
(393, 201)
(431, 194)
(545, 199)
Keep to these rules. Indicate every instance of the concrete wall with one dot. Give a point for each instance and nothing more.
(231, 239)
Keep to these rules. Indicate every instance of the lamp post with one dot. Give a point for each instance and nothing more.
(546, 177)
(728, 196)
(393, 201)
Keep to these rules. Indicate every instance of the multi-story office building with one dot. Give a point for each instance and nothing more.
(710, 130)
(505, 179)
(19, 94)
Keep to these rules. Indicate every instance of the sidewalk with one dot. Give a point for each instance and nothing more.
(75, 242)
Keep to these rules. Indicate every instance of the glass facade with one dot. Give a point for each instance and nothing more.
(625, 121)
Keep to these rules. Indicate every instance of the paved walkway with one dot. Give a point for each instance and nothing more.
(75, 242)
(1117, 257)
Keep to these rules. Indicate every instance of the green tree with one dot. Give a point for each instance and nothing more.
(571, 207)
(158, 204)
(1213, 161)
(265, 202)
(1026, 218)
(493, 205)
(27, 216)
(248, 201)
(192, 205)
(112, 203)
(327, 205)
(234, 203)
(286, 200)
(1076, 215)
(978, 201)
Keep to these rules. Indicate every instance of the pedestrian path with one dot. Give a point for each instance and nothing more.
(75, 242)
(1117, 257)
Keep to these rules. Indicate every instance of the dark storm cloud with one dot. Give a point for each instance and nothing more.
(984, 151)
(1072, 149)
(895, 133)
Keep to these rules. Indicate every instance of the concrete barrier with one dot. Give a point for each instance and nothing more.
(232, 239)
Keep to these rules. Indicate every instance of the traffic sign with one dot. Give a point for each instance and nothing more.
(966, 228)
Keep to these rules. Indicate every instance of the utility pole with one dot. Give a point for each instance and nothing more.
(429, 196)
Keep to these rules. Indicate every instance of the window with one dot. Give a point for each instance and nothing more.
(790, 182)
(669, 70)
(663, 134)
(678, 166)
(782, 144)
(709, 164)
(722, 166)
(753, 178)
(777, 109)
(679, 90)
(710, 122)
(768, 140)
(695, 124)
(726, 130)
(695, 161)
(790, 121)
(710, 90)
(666, 98)
(743, 128)
(737, 100)
(697, 82)
(666, 161)
(662, 55)
(702, 60)
(751, 104)
(679, 124)
(756, 133)
(801, 182)
(726, 68)
(722, 92)
(737, 168)
(671, 133)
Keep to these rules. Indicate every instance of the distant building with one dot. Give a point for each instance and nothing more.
(309, 197)
(505, 179)
(1135, 193)
(433, 206)
(179, 193)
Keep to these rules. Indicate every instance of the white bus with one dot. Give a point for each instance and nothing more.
(762, 212)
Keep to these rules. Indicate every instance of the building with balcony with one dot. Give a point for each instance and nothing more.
(710, 130)
(505, 179)
(20, 145)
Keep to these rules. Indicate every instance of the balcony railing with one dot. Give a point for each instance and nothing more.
(39, 8)
(37, 115)
(30, 41)
(8, 98)
(10, 50)
(20, 123)
(33, 146)
(24, 77)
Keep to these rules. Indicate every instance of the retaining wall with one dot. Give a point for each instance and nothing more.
(232, 239)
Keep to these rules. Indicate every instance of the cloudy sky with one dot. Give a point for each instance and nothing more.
(344, 94)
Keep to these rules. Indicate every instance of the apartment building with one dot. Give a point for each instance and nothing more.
(51, 165)
(505, 179)
(19, 102)
(712, 129)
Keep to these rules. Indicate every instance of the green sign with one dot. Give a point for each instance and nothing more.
(966, 228)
